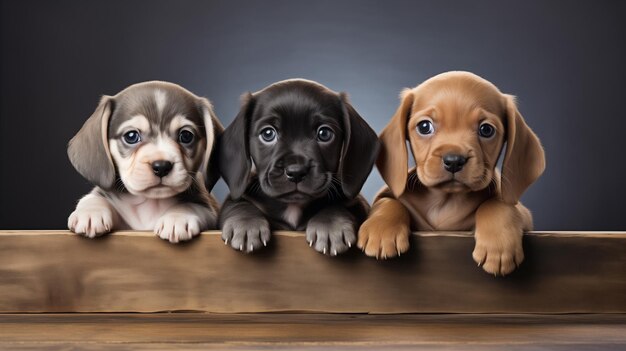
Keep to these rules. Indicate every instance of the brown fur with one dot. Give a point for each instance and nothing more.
(429, 197)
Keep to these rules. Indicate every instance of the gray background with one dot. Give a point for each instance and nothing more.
(564, 60)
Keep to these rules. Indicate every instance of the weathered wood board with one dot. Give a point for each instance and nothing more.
(56, 271)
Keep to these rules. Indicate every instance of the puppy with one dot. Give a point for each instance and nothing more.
(148, 151)
(456, 124)
(295, 158)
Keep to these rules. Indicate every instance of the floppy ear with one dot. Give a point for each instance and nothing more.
(524, 160)
(213, 128)
(393, 160)
(89, 148)
(360, 149)
(233, 153)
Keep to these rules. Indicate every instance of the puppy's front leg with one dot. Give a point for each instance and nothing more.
(385, 233)
(183, 221)
(331, 231)
(93, 216)
(498, 235)
(243, 225)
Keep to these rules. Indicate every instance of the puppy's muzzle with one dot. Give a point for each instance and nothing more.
(453, 162)
(162, 168)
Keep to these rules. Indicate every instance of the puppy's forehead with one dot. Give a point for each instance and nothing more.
(297, 99)
(462, 94)
(158, 103)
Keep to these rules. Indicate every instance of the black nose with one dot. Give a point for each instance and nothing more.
(295, 173)
(162, 168)
(453, 162)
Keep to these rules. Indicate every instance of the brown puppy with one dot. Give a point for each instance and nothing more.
(456, 124)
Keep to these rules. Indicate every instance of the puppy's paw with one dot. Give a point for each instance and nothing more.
(91, 222)
(382, 238)
(498, 253)
(247, 234)
(177, 227)
(331, 236)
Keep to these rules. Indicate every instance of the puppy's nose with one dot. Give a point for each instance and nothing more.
(453, 162)
(295, 173)
(162, 168)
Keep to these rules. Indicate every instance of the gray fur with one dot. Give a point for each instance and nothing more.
(89, 148)
(177, 217)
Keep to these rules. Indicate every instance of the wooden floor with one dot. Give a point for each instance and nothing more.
(271, 331)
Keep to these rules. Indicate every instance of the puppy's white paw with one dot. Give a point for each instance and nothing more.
(247, 234)
(91, 222)
(330, 236)
(177, 227)
(499, 253)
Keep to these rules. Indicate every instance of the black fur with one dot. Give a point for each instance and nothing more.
(327, 197)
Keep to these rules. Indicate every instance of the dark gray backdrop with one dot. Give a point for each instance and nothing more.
(565, 61)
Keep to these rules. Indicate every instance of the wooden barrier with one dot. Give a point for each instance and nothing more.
(56, 271)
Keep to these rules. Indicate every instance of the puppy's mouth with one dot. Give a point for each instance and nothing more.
(158, 190)
(290, 192)
(159, 185)
(452, 185)
(295, 196)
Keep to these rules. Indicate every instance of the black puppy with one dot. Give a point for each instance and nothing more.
(295, 158)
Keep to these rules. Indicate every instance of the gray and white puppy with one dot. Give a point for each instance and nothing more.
(148, 151)
(295, 158)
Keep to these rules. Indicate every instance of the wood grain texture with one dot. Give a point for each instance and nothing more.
(199, 331)
(56, 271)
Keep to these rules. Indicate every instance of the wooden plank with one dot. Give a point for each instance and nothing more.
(196, 331)
(56, 271)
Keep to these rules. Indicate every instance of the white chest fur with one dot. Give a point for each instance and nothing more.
(292, 215)
(141, 213)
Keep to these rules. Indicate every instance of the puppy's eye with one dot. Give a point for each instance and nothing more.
(486, 130)
(268, 135)
(132, 137)
(425, 127)
(325, 134)
(185, 137)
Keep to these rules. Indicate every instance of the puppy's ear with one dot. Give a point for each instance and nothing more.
(393, 160)
(360, 149)
(524, 160)
(89, 148)
(233, 151)
(213, 128)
